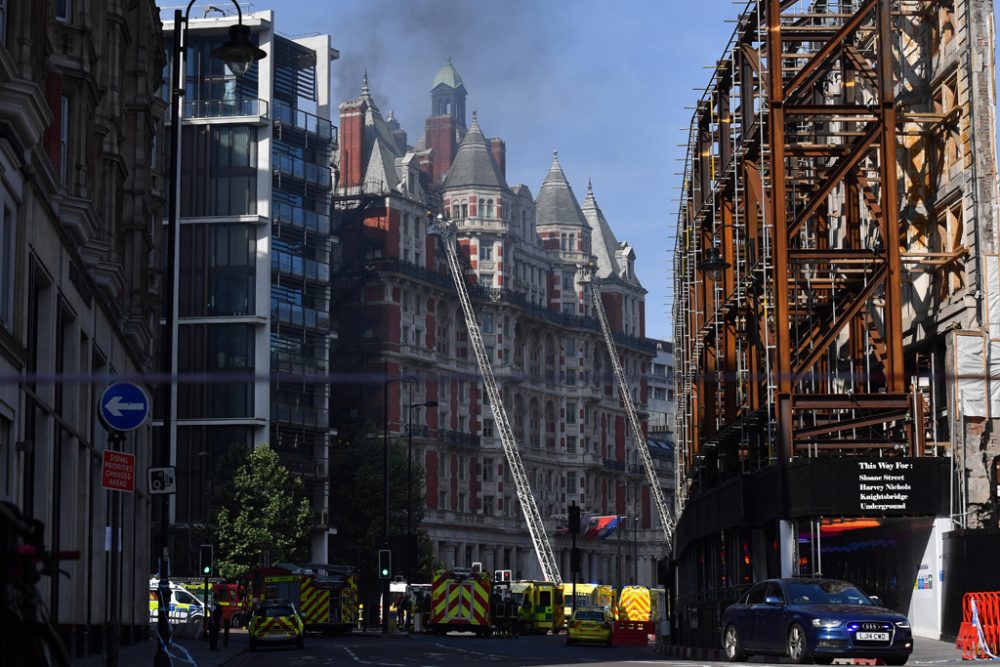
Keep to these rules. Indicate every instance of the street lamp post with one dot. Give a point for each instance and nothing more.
(239, 54)
(385, 481)
(410, 546)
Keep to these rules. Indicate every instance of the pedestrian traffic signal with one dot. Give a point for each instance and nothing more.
(384, 563)
(207, 565)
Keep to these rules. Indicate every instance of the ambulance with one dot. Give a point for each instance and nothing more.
(634, 604)
(585, 597)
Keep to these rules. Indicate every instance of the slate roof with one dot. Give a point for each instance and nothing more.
(556, 204)
(448, 76)
(602, 240)
(474, 165)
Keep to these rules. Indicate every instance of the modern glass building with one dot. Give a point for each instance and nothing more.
(252, 327)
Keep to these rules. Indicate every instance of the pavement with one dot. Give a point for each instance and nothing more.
(141, 655)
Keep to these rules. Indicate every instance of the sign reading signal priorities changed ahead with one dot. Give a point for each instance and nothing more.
(124, 407)
(118, 471)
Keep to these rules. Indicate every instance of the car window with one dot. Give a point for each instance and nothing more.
(274, 612)
(545, 599)
(826, 592)
(756, 594)
(183, 598)
(589, 616)
(774, 589)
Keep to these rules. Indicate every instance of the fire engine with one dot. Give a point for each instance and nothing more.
(460, 600)
(325, 595)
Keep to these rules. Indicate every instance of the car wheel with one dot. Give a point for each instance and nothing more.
(798, 651)
(732, 645)
(897, 660)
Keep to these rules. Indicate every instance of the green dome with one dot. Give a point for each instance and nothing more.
(447, 75)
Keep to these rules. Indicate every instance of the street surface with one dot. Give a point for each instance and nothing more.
(374, 650)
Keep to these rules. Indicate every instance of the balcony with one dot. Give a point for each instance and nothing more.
(243, 108)
(287, 116)
(300, 316)
(286, 166)
(300, 415)
(300, 267)
(301, 219)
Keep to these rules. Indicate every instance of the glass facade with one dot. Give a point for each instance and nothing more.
(302, 145)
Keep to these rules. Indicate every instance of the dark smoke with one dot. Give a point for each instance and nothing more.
(498, 47)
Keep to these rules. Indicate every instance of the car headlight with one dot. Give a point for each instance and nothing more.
(828, 623)
(903, 624)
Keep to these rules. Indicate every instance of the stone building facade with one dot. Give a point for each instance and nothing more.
(81, 199)
(398, 316)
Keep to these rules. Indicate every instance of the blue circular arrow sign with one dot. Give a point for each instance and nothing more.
(123, 406)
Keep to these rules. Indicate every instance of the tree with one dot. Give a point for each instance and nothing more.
(357, 504)
(267, 512)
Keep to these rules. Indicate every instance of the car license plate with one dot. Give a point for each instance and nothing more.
(872, 636)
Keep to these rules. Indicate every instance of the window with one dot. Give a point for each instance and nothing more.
(8, 254)
(64, 10)
(488, 430)
(488, 508)
(64, 139)
(219, 170)
(571, 482)
(567, 281)
(756, 594)
(442, 500)
(488, 469)
(489, 208)
(569, 308)
(461, 502)
(571, 443)
(570, 344)
(572, 243)
(571, 376)
(660, 393)
(226, 350)
(461, 467)
(486, 280)
(486, 250)
(487, 322)
(508, 506)
(218, 269)
(445, 468)
(465, 210)
(456, 211)
(405, 337)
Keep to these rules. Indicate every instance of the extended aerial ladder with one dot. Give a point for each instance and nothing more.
(540, 539)
(666, 520)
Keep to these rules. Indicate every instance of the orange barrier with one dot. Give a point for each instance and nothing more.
(632, 633)
(987, 606)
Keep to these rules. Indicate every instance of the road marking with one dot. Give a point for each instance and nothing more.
(355, 656)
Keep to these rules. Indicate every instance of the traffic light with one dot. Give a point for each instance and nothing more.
(384, 563)
(207, 564)
(574, 519)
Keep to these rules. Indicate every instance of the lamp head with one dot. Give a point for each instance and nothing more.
(239, 53)
(714, 264)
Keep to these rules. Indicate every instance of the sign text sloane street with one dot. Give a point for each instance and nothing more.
(884, 485)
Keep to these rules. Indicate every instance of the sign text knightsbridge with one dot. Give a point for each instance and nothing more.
(885, 485)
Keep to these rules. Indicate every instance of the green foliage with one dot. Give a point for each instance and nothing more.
(266, 512)
(357, 502)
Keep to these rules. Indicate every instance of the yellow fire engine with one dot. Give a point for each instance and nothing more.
(326, 596)
(460, 600)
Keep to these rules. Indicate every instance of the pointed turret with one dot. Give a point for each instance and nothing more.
(556, 203)
(474, 165)
(614, 259)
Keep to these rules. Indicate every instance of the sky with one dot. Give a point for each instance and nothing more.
(609, 85)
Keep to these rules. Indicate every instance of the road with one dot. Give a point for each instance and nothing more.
(430, 651)
(374, 650)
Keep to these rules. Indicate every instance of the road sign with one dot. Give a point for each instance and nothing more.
(124, 406)
(118, 471)
(162, 480)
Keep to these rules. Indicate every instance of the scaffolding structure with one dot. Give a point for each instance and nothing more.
(789, 263)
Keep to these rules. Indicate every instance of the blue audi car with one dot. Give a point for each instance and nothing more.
(814, 620)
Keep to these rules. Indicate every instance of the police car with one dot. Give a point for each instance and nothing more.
(184, 606)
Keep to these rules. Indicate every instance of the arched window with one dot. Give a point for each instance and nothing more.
(465, 210)
(562, 242)
(572, 242)
(456, 211)
(489, 208)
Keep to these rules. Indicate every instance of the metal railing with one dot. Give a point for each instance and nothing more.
(305, 121)
(250, 106)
